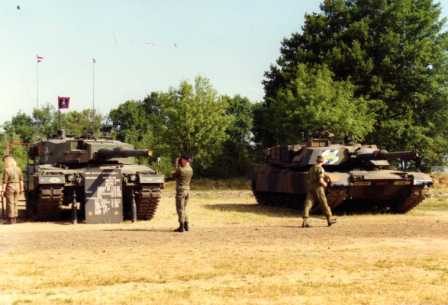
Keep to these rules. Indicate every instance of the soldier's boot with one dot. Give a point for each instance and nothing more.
(186, 226)
(331, 221)
(305, 223)
(181, 228)
(8, 221)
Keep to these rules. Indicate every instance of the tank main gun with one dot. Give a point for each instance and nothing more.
(385, 155)
(106, 153)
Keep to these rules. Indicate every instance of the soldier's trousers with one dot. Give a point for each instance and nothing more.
(181, 205)
(317, 194)
(11, 203)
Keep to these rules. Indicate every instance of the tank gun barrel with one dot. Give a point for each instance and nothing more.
(402, 155)
(385, 155)
(105, 153)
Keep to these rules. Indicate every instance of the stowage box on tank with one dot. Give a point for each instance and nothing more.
(362, 179)
(94, 180)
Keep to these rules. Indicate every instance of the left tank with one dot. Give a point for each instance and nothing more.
(88, 179)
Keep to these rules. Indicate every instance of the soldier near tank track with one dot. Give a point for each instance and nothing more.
(317, 182)
(12, 186)
(183, 175)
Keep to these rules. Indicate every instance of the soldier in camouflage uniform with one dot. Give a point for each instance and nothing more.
(12, 186)
(317, 182)
(183, 176)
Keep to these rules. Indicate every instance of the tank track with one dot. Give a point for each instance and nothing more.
(335, 197)
(410, 200)
(47, 203)
(147, 201)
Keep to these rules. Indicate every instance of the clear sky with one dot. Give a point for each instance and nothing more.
(139, 46)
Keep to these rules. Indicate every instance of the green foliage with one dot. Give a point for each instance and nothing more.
(191, 119)
(312, 101)
(77, 123)
(197, 121)
(236, 155)
(21, 125)
(391, 51)
(131, 123)
(45, 121)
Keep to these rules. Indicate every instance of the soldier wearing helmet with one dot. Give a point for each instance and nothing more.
(12, 186)
(317, 182)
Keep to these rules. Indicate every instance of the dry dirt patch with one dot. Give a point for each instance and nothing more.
(237, 252)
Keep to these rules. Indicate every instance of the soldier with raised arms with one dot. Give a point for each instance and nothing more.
(12, 186)
(183, 175)
(317, 182)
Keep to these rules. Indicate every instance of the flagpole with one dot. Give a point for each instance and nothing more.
(93, 87)
(37, 82)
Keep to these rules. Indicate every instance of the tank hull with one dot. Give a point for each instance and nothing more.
(352, 191)
(97, 193)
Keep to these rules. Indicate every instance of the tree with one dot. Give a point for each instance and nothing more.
(191, 119)
(21, 125)
(129, 121)
(312, 101)
(45, 121)
(394, 52)
(196, 121)
(77, 123)
(237, 153)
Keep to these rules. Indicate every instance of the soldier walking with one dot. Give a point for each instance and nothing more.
(183, 175)
(317, 182)
(11, 188)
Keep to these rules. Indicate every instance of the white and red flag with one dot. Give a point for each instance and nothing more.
(39, 58)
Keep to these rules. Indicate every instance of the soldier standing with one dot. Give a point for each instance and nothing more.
(316, 192)
(12, 187)
(183, 175)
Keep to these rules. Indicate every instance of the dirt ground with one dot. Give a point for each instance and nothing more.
(236, 253)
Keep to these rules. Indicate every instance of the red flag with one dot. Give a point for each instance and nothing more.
(63, 102)
(39, 58)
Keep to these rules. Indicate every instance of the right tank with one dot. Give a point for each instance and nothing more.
(363, 178)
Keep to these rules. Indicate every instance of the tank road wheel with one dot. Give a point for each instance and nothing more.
(147, 201)
(48, 200)
(409, 201)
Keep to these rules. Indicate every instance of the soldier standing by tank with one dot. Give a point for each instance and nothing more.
(12, 186)
(317, 182)
(183, 175)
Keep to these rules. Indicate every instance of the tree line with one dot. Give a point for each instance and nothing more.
(374, 70)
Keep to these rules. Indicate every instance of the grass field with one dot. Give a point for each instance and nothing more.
(237, 253)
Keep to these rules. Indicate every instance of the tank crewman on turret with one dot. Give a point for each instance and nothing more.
(12, 186)
(317, 182)
(183, 175)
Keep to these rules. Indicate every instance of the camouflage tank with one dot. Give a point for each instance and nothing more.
(95, 180)
(362, 179)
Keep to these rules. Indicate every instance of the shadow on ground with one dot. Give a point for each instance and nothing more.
(140, 230)
(254, 209)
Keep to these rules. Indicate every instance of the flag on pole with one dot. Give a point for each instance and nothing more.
(39, 58)
(63, 102)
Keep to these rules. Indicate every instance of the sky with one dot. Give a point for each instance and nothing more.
(139, 46)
